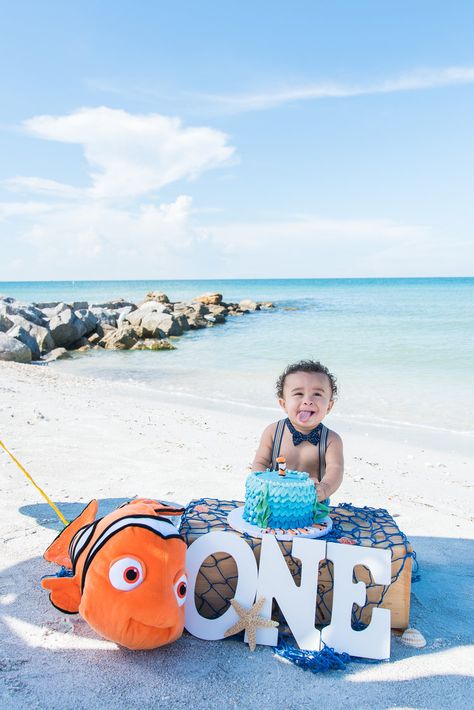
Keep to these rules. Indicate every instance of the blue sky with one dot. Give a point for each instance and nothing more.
(238, 139)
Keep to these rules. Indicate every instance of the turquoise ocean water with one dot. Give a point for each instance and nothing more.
(402, 349)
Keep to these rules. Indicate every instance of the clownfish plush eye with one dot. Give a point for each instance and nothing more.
(126, 574)
(180, 589)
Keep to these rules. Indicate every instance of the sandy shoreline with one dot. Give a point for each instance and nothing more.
(82, 438)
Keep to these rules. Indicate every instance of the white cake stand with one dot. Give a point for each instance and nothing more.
(236, 521)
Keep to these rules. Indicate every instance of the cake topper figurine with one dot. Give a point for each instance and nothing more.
(281, 462)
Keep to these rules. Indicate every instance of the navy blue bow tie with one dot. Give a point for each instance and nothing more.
(313, 437)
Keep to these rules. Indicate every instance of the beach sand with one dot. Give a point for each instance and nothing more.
(82, 439)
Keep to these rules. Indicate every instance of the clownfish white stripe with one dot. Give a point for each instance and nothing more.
(81, 540)
(163, 527)
(160, 526)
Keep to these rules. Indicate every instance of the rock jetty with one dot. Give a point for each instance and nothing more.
(48, 331)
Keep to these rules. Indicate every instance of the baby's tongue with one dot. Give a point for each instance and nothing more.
(304, 416)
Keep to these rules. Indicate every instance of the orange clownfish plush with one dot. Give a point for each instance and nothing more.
(128, 578)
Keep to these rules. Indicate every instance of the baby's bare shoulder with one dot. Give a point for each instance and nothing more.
(334, 438)
(269, 431)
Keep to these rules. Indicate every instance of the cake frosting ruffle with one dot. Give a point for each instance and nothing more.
(276, 501)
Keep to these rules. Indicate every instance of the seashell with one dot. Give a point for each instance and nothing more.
(413, 638)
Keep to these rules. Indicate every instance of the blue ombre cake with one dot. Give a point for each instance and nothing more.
(280, 501)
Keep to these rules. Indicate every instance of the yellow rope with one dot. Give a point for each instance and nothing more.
(58, 512)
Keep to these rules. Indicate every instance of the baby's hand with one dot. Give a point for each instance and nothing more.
(322, 491)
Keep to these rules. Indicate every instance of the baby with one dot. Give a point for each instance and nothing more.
(306, 392)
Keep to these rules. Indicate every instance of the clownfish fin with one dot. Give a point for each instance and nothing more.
(165, 509)
(65, 593)
(58, 551)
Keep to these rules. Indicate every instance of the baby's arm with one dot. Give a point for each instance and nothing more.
(334, 467)
(263, 457)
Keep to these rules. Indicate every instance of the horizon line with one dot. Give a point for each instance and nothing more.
(244, 278)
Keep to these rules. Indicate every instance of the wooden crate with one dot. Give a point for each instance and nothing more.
(217, 579)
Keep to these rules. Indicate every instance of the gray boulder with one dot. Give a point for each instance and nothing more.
(119, 339)
(102, 329)
(196, 320)
(218, 318)
(66, 328)
(180, 307)
(155, 306)
(209, 299)
(49, 304)
(82, 342)
(26, 332)
(19, 333)
(150, 324)
(113, 305)
(133, 318)
(236, 312)
(13, 350)
(156, 296)
(5, 323)
(123, 313)
(50, 311)
(162, 323)
(218, 311)
(88, 319)
(248, 305)
(153, 320)
(198, 307)
(191, 315)
(95, 338)
(57, 354)
(43, 337)
(25, 310)
(105, 315)
(153, 344)
(182, 321)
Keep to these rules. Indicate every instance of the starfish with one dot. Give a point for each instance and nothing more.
(250, 621)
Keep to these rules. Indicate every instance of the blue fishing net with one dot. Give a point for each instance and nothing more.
(217, 579)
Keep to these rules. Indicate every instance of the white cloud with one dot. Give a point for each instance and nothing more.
(96, 240)
(115, 227)
(93, 237)
(129, 154)
(306, 229)
(43, 186)
(415, 80)
(21, 209)
(312, 246)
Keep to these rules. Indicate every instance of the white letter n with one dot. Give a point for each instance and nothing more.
(298, 604)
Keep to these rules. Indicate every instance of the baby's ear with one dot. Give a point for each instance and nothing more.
(65, 593)
(330, 406)
(281, 402)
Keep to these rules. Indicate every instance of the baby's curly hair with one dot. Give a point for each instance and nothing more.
(305, 366)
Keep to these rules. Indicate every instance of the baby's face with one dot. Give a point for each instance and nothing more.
(307, 398)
